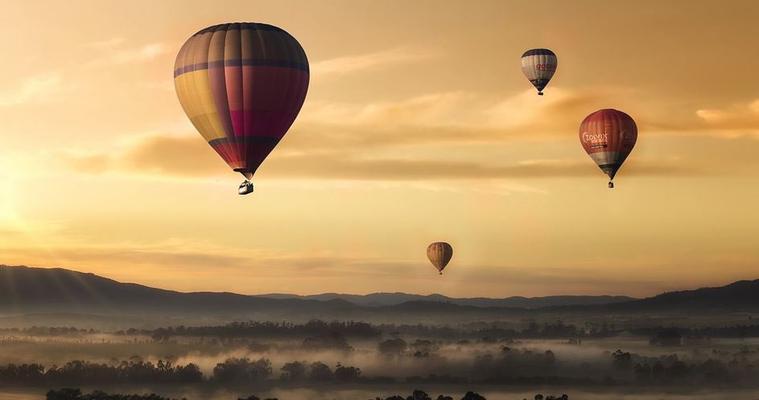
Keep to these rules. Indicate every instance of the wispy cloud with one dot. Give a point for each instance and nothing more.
(153, 154)
(736, 120)
(521, 114)
(391, 141)
(113, 52)
(361, 62)
(34, 89)
(179, 156)
(106, 43)
(176, 262)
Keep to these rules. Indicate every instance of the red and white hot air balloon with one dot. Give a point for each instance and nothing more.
(608, 136)
(539, 65)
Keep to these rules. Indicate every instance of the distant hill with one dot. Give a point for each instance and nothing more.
(57, 290)
(30, 295)
(737, 296)
(392, 299)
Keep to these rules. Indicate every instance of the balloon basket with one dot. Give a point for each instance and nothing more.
(611, 185)
(245, 188)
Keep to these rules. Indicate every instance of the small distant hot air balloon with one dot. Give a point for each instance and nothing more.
(608, 136)
(539, 65)
(242, 85)
(440, 254)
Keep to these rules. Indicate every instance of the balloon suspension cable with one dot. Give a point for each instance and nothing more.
(611, 185)
(246, 187)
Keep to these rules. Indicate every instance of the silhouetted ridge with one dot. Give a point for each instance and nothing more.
(26, 290)
(741, 295)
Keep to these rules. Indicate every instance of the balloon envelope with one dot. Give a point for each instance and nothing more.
(440, 254)
(608, 136)
(242, 85)
(539, 65)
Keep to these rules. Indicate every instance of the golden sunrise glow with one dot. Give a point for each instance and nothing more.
(418, 127)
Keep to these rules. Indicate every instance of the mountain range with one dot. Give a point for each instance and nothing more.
(36, 295)
(392, 299)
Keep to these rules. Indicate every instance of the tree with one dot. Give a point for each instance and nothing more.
(392, 347)
(327, 341)
(189, 373)
(419, 395)
(293, 371)
(346, 374)
(622, 360)
(472, 396)
(320, 372)
(242, 370)
(64, 394)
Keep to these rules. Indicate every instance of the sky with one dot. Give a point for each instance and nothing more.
(418, 126)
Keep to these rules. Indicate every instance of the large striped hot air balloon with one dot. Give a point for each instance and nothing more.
(242, 85)
(608, 136)
(539, 65)
(440, 254)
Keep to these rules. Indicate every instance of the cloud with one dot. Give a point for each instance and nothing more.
(459, 110)
(153, 154)
(346, 141)
(461, 117)
(330, 167)
(106, 43)
(434, 137)
(732, 121)
(442, 118)
(181, 260)
(361, 62)
(189, 156)
(114, 53)
(52, 85)
(35, 89)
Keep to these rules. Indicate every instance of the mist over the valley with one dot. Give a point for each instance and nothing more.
(678, 345)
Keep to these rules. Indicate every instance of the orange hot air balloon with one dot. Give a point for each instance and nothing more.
(608, 136)
(242, 85)
(440, 254)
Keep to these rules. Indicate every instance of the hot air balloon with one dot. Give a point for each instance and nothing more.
(440, 254)
(242, 85)
(539, 65)
(608, 136)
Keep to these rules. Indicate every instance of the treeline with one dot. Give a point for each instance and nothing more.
(252, 329)
(76, 394)
(421, 395)
(243, 370)
(231, 371)
(547, 330)
(48, 331)
(494, 332)
(353, 329)
(509, 366)
(731, 332)
(513, 366)
(85, 373)
(671, 369)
